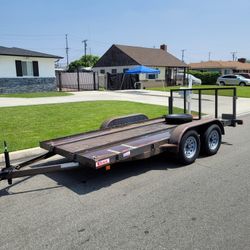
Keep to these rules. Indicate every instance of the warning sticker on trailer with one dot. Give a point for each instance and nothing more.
(102, 162)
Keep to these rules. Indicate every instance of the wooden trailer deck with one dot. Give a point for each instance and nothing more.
(103, 147)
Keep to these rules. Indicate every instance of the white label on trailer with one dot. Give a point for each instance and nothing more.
(128, 146)
(70, 165)
(126, 154)
(102, 162)
(113, 151)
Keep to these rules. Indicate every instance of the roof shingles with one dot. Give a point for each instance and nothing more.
(151, 57)
(220, 65)
(119, 55)
(23, 52)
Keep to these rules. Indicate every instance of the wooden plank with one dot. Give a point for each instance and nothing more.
(94, 134)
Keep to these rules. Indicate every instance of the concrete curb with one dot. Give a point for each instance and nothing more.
(23, 154)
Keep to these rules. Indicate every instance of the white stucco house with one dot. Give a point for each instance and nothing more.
(24, 70)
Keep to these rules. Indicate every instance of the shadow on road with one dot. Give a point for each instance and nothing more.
(87, 180)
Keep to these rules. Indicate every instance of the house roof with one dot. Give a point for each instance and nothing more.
(151, 57)
(236, 65)
(120, 55)
(23, 52)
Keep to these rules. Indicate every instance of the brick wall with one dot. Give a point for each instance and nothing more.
(27, 85)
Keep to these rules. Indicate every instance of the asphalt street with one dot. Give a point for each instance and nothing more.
(149, 204)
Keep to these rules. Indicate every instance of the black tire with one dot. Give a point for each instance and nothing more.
(222, 83)
(211, 140)
(178, 118)
(242, 84)
(189, 147)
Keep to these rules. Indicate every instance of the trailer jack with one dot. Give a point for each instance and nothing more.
(8, 168)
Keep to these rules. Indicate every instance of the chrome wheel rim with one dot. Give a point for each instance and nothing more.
(213, 140)
(190, 147)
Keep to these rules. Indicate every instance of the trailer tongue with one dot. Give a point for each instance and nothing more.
(133, 137)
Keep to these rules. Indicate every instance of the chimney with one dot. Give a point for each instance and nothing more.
(163, 47)
(242, 60)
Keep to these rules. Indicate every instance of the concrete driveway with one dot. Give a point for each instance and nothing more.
(142, 96)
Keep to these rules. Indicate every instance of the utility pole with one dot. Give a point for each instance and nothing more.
(85, 46)
(234, 55)
(182, 54)
(67, 49)
(209, 55)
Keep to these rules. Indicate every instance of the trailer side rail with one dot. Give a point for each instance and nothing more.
(186, 91)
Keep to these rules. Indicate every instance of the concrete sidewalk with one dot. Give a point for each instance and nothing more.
(141, 96)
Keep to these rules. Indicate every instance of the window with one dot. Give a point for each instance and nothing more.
(102, 71)
(229, 76)
(152, 76)
(27, 68)
(114, 71)
(124, 70)
(227, 71)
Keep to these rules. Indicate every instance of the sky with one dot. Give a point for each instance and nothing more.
(218, 27)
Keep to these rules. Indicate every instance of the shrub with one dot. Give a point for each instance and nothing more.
(207, 78)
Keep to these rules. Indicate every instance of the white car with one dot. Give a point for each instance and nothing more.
(232, 80)
(195, 80)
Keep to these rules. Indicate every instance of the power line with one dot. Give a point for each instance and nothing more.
(30, 35)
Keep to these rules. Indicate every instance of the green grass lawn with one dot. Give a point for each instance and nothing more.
(241, 91)
(23, 127)
(36, 94)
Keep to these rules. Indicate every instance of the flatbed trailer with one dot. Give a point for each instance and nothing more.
(134, 137)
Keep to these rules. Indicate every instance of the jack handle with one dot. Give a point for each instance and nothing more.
(8, 167)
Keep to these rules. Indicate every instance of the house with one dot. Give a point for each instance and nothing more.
(223, 67)
(24, 70)
(120, 58)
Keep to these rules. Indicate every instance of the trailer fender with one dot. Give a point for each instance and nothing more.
(200, 126)
(123, 120)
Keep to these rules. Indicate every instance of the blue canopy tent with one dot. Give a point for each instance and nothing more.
(140, 70)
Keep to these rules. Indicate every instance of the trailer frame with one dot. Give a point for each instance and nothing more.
(129, 138)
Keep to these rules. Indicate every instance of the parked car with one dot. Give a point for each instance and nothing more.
(246, 75)
(232, 80)
(195, 80)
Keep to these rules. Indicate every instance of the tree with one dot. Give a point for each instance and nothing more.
(84, 61)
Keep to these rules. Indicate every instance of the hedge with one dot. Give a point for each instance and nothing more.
(207, 78)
